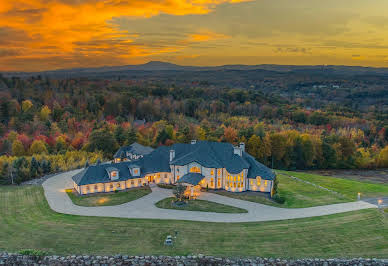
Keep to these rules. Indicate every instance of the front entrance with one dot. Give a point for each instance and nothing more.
(151, 179)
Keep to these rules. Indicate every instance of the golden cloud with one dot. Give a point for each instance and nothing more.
(78, 28)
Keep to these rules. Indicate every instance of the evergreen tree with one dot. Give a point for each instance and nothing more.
(131, 137)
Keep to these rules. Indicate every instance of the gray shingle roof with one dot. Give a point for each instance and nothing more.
(191, 178)
(208, 154)
(135, 148)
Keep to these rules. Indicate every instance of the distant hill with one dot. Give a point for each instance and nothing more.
(158, 66)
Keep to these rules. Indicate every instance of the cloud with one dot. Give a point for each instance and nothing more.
(76, 28)
(204, 36)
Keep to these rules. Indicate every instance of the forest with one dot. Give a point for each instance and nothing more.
(55, 124)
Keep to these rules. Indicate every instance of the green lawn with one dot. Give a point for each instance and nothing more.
(348, 188)
(108, 199)
(199, 205)
(296, 194)
(26, 222)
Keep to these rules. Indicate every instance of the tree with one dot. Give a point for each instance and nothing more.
(382, 159)
(162, 137)
(179, 192)
(45, 113)
(329, 156)
(26, 105)
(119, 135)
(278, 146)
(18, 148)
(131, 136)
(102, 140)
(34, 167)
(230, 135)
(38, 147)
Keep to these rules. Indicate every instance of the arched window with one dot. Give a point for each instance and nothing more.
(195, 169)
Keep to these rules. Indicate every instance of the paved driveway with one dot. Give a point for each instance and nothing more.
(144, 208)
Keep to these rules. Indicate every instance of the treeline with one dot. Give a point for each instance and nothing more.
(15, 170)
(45, 117)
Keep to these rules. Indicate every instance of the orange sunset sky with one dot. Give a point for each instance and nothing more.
(44, 34)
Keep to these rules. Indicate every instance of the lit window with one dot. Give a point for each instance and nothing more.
(258, 181)
(265, 183)
(234, 184)
(219, 183)
(211, 172)
(212, 182)
(139, 181)
(132, 182)
(238, 177)
(118, 184)
(158, 175)
(219, 172)
(251, 182)
(235, 178)
(136, 171)
(111, 186)
(114, 174)
(242, 173)
(177, 178)
(195, 169)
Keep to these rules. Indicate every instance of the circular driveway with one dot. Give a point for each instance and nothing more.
(144, 208)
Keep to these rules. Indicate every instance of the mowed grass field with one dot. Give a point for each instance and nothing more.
(296, 194)
(348, 188)
(26, 221)
(108, 199)
(199, 205)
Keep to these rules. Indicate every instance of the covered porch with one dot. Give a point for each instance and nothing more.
(192, 182)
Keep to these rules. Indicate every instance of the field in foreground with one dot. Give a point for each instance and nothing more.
(109, 199)
(26, 221)
(199, 205)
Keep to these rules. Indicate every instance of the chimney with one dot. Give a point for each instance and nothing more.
(242, 146)
(237, 150)
(172, 155)
(193, 141)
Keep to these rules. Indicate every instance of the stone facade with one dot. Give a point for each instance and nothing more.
(16, 259)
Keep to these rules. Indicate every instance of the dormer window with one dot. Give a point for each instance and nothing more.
(135, 170)
(113, 173)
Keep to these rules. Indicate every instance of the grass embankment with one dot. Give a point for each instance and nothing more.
(108, 199)
(199, 205)
(348, 188)
(27, 222)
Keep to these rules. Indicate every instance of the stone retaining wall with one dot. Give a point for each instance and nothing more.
(16, 259)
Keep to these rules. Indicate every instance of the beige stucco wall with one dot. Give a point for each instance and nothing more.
(262, 186)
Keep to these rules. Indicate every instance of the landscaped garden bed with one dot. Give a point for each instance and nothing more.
(166, 186)
(198, 205)
(108, 199)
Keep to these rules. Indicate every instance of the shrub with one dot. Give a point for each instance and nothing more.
(33, 252)
(166, 186)
(278, 198)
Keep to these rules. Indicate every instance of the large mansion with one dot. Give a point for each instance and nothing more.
(201, 164)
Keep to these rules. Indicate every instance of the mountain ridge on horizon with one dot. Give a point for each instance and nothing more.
(167, 66)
